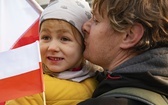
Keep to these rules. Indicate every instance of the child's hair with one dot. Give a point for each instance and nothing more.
(75, 32)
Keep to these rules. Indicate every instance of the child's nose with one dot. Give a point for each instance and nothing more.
(54, 46)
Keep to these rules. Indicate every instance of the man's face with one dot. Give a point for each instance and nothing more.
(101, 41)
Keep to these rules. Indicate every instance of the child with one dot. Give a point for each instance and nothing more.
(68, 76)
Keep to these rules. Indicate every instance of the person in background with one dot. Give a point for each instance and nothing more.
(129, 39)
(68, 77)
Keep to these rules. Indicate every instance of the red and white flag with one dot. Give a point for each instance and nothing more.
(19, 23)
(21, 72)
(19, 20)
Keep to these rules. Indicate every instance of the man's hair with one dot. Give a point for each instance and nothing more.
(152, 14)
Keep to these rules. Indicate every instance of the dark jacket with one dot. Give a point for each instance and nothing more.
(148, 71)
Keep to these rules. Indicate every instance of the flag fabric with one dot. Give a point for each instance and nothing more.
(21, 72)
(2, 103)
(19, 21)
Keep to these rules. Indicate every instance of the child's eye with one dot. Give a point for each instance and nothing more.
(65, 39)
(45, 37)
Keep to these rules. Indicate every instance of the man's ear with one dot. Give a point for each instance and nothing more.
(132, 36)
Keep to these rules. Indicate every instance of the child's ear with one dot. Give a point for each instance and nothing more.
(133, 36)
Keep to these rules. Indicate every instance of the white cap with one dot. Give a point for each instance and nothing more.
(75, 12)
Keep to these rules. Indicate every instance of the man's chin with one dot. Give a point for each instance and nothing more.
(86, 55)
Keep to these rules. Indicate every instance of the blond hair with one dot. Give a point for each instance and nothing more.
(152, 14)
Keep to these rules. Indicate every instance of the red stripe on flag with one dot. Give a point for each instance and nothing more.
(21, 85)
(2, 103)
(30, 36)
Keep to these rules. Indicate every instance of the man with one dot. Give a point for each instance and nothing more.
(129, 39)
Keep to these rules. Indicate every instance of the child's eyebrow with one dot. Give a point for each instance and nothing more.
(44, 30)
(61, 31)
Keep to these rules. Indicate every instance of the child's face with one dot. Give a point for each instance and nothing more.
(60, 49)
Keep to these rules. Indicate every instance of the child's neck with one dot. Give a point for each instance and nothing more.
(76, 69)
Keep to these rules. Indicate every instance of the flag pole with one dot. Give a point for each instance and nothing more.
(35, 5)
(44, 98)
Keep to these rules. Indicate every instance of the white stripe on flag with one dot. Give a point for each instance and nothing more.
(19, 60)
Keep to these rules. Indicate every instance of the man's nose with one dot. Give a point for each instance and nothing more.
(86, 27)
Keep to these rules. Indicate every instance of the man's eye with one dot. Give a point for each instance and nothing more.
(95, 20)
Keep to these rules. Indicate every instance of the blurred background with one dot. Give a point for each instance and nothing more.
(44, 3)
